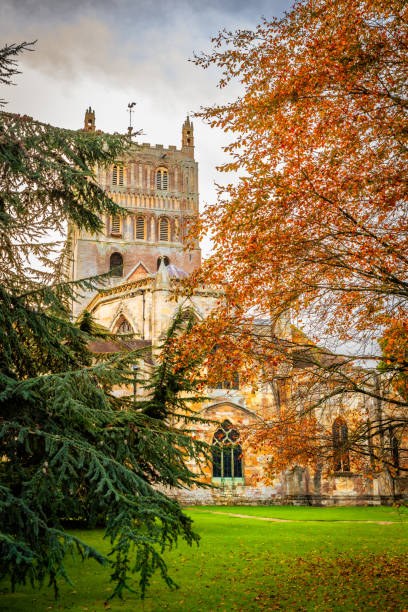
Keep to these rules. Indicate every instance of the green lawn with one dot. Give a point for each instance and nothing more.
(315, 563)
(306, 513)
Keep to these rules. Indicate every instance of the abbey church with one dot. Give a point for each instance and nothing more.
(145, 251)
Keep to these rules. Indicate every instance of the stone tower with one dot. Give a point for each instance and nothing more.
(187, 138)
(159, 187)
(89, 121)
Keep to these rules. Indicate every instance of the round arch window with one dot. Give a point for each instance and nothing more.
(162, 179)
(166, 261)
(116, 264)
(164, 229)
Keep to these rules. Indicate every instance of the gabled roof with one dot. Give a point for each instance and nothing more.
(119, 346)
(176, 272)
(137, 271)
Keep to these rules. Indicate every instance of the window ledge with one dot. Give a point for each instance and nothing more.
(229, 481)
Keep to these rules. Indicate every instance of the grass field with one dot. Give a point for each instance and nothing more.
(307, 513)
(315, 562)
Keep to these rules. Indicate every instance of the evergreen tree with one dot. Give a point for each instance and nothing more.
(70, 447)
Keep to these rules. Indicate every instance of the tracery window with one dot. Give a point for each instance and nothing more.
(233, 380)
(140, 228)
(117, 175)
(162, 179)
(116, 224)
(116, 264)
(233, 383)
(340, 440)
(164, 229)
(124, 327)
(227, 453)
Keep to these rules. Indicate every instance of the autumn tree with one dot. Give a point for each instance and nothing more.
(70, 446)
(315, 221)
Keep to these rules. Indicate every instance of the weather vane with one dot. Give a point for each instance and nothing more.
(130, 110)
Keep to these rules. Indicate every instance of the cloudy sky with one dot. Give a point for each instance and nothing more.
(106, 53)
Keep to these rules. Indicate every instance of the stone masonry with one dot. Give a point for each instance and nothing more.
(142, 300)
(158, 186)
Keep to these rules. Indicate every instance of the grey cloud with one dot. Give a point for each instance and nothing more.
(66, 50)
(150, 59)
(144, 11)
(122, 40)
(89, 49)
(108, 52)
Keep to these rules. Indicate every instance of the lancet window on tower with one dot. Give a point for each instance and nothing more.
(116, 225)
(140, 228)
(116, 264)
(117, 175)
(227, 453)
(162, 179)
(164, 229)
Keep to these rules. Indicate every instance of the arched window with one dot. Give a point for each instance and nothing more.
(340, 440)
(124, 327)
(227, 453)
(140, 228)
(166, 261)
(232, 383)
(116, 264)
(117, 175)
(394, 448)
(116, 225)
(164, 229)
(162, 179)
(233, 378)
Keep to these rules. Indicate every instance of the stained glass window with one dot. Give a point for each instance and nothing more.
(124, 327)
(227, 452)
(230, 384)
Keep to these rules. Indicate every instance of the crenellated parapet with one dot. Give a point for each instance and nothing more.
(158, 187)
